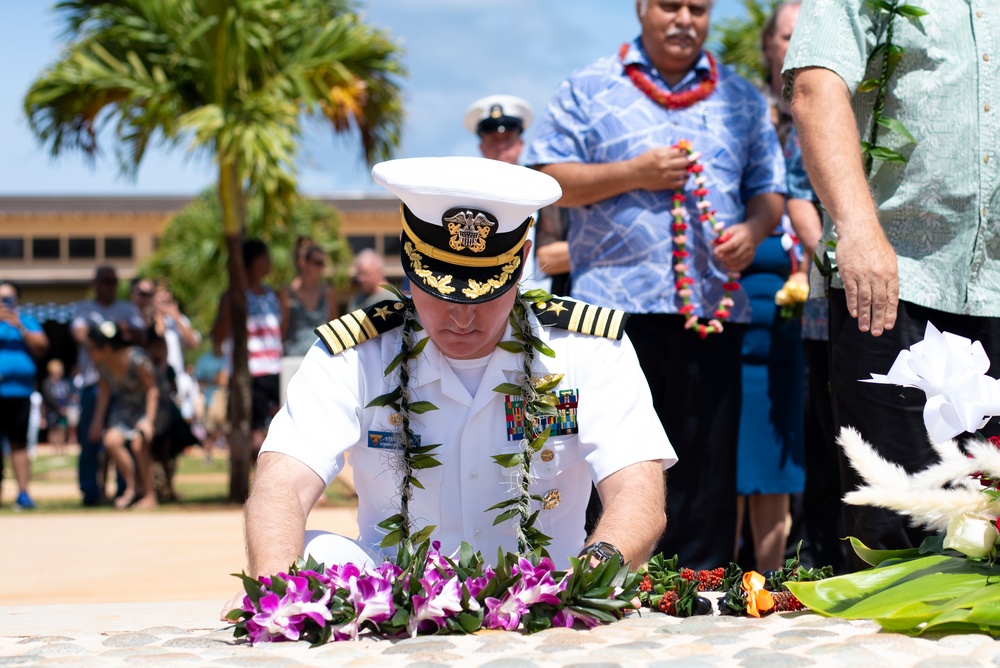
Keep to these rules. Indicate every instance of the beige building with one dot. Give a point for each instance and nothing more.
(51, 245)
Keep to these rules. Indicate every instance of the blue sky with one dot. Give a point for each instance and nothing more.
(456, 51)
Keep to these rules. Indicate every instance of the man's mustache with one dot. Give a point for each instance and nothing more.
(682, 32)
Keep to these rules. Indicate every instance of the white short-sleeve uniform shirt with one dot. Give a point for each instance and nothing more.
(608, 404)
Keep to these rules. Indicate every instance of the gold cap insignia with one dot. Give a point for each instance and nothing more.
(469, 231)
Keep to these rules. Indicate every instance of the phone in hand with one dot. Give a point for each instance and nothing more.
(8, 302)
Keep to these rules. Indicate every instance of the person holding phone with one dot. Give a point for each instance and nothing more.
(22, 340)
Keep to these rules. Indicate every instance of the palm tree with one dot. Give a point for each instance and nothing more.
(233, 79)
(739, 40)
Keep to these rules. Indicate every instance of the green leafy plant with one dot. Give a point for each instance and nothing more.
(890, 54)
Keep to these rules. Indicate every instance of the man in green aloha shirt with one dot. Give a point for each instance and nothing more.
(917, 238)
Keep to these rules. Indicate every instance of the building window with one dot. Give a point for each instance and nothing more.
(45, 248)
(390, 245)
(360, 242)
(11, 248)
(82, 248)
(118, 247)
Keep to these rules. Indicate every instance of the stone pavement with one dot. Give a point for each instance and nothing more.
(186, 634)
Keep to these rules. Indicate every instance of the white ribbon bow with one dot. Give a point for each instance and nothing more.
(951, 370)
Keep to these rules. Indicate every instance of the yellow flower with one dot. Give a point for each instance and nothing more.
(792, 292)
(759, 600)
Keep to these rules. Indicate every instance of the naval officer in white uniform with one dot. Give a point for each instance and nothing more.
(465, 222)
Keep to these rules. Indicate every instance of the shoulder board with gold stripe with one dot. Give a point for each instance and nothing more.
(358, 326)
(581, 317)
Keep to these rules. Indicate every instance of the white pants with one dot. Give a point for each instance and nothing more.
(330, 548)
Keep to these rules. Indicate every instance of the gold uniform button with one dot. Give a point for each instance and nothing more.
(395, 419)
(986, 107)
(551, 499)
(986, 57)
(548, 455)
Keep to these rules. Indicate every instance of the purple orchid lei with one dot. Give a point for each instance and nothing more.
(426, 592)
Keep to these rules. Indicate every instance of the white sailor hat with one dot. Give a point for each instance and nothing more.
(498, 113)
(464, 222)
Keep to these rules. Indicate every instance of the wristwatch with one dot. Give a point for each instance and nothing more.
(602, 551)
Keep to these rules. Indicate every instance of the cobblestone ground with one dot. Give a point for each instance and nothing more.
(652, 639)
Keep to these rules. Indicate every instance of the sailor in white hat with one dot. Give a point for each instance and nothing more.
(433, 395)
(500, 121)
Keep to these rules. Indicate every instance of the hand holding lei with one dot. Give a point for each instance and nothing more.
(679, 229)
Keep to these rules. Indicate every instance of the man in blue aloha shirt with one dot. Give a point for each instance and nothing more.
(608, 138)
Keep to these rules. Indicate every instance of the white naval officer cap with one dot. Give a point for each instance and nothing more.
(465, 221)
(498, 113)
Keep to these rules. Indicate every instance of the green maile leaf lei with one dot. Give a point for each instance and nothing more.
(413, 457)
(534, 392)
(536, 402)
(891, 54)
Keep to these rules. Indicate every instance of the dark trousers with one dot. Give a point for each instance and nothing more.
(822, 510)
(695, 385)
(890, 417)
(90, 452)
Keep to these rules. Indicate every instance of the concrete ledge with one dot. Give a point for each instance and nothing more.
(187, 633)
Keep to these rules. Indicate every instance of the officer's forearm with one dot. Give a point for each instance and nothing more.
(284, 491)
(633, 518)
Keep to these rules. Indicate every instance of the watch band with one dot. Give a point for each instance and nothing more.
(602, 551)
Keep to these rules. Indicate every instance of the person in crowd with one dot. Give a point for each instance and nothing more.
(307, 301)
(212, 374)
(104, 307)
(915, 240)
(771, 457)
(817, 514)
(56, 393)
(500, 121)
(624, 136)
(22, 342)
(369, 276)
(127, 411)
(263, 339)
(178, 333)
(173, 432)
(461, 311)
(161, 314)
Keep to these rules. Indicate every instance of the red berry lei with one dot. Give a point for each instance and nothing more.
(671, 100)
(679, 228)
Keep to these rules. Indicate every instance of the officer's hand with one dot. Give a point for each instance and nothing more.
(233, 603)
(661, 168)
